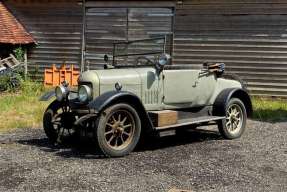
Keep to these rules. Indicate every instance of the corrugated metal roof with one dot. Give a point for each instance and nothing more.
(11, 31)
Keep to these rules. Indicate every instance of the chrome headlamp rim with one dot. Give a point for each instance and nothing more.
(61, 92)
(84, 93)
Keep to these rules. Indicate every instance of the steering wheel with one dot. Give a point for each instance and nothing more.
(147, 60)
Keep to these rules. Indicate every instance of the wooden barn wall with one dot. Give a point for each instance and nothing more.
(57, 27)
(250, 36)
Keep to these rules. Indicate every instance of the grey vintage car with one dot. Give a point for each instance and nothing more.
(138, 93)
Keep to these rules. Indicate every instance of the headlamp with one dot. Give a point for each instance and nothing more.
(61, 92)
(84, 93)
(163, 59)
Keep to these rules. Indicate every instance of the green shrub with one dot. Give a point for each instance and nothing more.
(32, 88)
(19, 53)
(10, 81)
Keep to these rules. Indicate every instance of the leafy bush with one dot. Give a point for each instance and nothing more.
(19, 53)
(32, 88)
(10, 81)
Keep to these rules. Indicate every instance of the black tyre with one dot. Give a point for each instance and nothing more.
(58, 122)
(118, 130)
(234, 125)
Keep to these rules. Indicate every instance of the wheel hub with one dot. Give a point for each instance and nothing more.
(233, 118)
(118, 130)
(67, 120)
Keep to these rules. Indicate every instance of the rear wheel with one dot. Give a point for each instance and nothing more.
(118, 130)
(234, 125)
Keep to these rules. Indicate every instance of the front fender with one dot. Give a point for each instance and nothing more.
(112, 97)
(224, 96)
(47, 96)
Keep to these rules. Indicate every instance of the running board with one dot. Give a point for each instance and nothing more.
(190, 121)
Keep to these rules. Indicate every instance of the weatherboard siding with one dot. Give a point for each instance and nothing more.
(56, 26)
(248, 35)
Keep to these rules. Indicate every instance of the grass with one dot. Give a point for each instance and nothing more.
(22, 108)
(270, 110)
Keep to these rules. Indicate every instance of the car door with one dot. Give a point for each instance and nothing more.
(187, 87)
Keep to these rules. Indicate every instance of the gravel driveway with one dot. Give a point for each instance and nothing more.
(198, 161)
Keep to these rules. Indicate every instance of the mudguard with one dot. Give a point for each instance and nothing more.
(223, 98)
(112, 97)
(47, 96)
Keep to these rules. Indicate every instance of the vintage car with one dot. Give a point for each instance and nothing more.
(139, 92)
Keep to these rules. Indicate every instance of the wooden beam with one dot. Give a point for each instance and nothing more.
(133, 4)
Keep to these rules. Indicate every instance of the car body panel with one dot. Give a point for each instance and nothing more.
(93, 78)
(221, 85)
(128, 78)
(188, 87)
(105, 80)
(146, 83)
(183, 92)
(169, 89)
(151, 88)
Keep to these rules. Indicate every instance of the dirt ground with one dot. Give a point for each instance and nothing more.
(198, 161)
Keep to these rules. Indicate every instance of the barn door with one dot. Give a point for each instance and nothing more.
(146, 23)
(103, 26)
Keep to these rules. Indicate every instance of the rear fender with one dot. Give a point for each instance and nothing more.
(221, 102)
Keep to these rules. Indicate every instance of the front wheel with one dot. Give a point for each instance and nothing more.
(234, 125)
(118, 130)
(58, 122)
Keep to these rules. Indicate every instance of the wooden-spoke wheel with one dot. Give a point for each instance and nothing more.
(234, 125)
(118, 130)
(234, 118)
(58, 122)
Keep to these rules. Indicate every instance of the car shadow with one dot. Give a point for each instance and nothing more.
(85, 148)
(181, 138)
(67, 149)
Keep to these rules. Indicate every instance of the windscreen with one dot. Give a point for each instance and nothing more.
(128, 53)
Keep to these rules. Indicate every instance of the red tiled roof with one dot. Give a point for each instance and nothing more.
(11, 31)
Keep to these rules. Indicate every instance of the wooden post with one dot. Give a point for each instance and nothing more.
(25, 63)
(83, 50)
